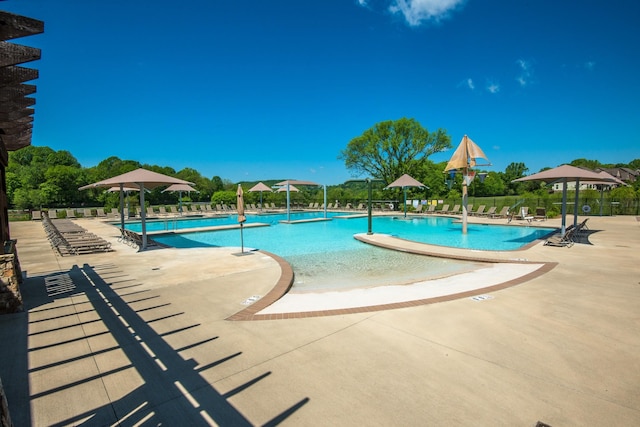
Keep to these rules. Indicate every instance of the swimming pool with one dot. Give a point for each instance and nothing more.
(291, 239)
(324, 255)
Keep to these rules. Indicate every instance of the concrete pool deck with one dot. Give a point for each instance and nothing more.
(142, 338)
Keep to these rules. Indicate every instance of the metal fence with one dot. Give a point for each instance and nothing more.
(553, 204)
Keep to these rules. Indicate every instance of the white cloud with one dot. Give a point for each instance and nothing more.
(590, 65)
(526, 72)
(470, 84)
(493, 87)
(362, 2)
(467, 83)
(417, 12)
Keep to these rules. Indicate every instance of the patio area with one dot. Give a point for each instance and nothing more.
(143, 337)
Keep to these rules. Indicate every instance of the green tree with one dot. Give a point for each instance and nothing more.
(216, 184)
(514, 171)
(392, 148)
(585, 163)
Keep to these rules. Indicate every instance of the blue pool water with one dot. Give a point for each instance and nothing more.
(172, 224)
(315, 237)
(324, 254)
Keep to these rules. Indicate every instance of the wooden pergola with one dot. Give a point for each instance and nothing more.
(16, 102)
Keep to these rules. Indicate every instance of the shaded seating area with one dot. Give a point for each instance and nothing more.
(570, 236)
(133, 239)
(69, 238)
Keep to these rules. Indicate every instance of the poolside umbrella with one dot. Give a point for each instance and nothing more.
(125, 190)
(260, 187)
(463, 159)
(564, 174)
(291, 188)
(140, 178)
(404, 182)
(241, 217)
(180, 188)
(287, 187)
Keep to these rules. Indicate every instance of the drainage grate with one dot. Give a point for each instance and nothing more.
(481, 297)
(251, 300)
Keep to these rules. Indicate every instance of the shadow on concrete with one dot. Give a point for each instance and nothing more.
(78, 307)
(583, 237)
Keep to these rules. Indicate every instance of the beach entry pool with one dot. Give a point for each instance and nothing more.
(325, 256)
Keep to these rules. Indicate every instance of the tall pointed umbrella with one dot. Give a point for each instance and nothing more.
(140, 178)
(241, 217)
(565, 174)
(180, 188)
(404, 182)
(260, 187)
(463, 159)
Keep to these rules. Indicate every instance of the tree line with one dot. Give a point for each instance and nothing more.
(39, 177)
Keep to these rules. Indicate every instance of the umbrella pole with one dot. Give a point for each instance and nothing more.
(122, 206)
(564, 206)
(241, 240)
(288, 210)
(325, 200)
(575, 203)
(405, 202)
(369, 221)
(464, 202)
(143, 218)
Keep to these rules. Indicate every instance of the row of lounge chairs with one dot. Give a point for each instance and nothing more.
(68, 238)
(457, 210)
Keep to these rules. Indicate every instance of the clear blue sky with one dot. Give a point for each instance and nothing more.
(256, 89)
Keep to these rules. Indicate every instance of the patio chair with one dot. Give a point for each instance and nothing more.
(504, 213)
(566, 239)
(541, 214)
(431, 210)
(478, 212)
(445, 209)
(100, 213)
(71, 213)
(36, 215)
(418, 209)
(454, 211)
(489, 213)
